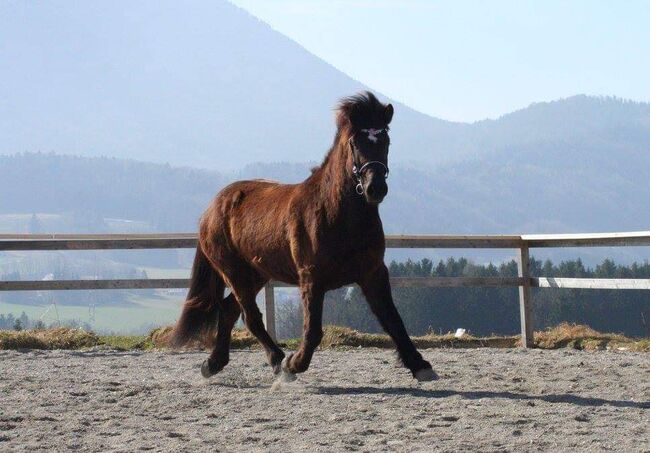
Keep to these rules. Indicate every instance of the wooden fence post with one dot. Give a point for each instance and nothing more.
(525, 299)
(269, 308)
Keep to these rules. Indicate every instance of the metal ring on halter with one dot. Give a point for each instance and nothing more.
(359, 189)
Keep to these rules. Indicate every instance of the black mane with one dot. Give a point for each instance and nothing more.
(363, 110)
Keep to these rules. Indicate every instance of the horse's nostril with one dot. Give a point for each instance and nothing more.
(370, 191)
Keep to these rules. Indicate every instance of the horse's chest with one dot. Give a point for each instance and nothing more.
(347, 265)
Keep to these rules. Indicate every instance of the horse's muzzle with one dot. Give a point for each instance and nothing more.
(375, 191)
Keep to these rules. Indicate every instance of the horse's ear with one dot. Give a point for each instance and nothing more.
(388, 113)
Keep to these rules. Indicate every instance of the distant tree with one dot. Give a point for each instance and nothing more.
(289, 319)
(77, 324)
(18, 325)
(9, 321)
(24, 320)
(35, 225)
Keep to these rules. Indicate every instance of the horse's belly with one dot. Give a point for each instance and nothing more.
(274, 263)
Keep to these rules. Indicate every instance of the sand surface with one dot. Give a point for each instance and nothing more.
(486, 400)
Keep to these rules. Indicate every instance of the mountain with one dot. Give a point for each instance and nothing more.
(201, 84)
(206, 85)
(101, 194)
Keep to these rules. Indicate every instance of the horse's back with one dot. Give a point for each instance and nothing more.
(249, 194)
(251, 218)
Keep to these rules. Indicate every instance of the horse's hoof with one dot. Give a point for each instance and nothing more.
(286, 375)
(205, 369)
(206, 372)
(276, 362)
(426, 375)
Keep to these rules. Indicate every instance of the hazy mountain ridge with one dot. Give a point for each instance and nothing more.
(199, 84)
(482, 196)
(91, 190)
(575, 127)
(207, 85)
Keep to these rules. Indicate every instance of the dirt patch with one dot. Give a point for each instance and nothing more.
(486, 400)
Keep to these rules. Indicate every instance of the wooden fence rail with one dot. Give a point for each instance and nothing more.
(523, 243)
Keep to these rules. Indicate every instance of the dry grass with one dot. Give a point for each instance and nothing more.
(126, 342)
(161, 336)
(583, 337)
(344, 337)
(337, 337)
(562, 336)
(58, 338)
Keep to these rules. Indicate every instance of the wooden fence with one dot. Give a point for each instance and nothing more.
(523, 243)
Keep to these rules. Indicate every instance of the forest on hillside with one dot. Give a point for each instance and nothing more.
(485, 311)
(80, 194)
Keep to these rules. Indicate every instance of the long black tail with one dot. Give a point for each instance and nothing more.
(201, 309)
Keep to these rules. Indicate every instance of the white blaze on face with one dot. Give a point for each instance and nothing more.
(372, 134)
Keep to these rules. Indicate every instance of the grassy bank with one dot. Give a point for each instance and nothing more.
(562, 336)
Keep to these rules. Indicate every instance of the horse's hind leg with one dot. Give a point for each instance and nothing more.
(255, 324)
(312, 300)
(229, 313)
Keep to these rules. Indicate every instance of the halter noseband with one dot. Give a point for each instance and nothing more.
(358, 171)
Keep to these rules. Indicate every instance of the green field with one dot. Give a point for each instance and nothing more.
(144, 312)
(147, 312)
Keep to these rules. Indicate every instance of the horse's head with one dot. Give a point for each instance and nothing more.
(365, 122)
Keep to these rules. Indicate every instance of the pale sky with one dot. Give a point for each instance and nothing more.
(471, 60)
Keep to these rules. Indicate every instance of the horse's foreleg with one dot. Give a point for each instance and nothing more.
(376, 289)
(312, 300)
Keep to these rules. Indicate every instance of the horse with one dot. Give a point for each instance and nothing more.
(320, 234)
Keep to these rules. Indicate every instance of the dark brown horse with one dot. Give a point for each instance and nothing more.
(320, 234)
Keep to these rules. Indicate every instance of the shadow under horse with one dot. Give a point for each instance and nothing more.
(321, 234)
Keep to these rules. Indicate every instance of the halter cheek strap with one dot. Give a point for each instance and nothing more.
(358, 171)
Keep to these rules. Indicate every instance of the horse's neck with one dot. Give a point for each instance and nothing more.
(343, 206)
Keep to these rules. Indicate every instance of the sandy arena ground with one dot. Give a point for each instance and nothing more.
(487, 400)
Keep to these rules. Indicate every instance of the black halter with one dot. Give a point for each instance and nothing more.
(357, 170)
